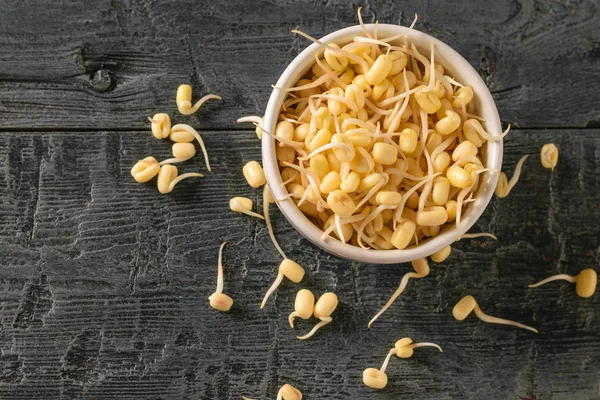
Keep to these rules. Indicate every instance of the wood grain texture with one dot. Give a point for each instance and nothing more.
(104, 284)
(110, 64)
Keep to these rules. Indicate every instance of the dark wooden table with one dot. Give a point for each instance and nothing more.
(104, 282)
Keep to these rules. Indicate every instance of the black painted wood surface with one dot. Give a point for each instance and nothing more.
(104, 282)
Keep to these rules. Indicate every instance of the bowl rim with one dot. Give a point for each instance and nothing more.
(487, 109)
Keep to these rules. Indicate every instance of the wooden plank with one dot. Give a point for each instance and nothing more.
(104, 283)
(117, 63)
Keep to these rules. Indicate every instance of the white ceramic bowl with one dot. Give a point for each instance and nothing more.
(457, 67)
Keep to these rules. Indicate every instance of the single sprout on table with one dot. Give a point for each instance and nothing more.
(421, 267)
(218, 300)
(183, 133)
(257, 121)
(146, 169)
(286, 392)
(167, 178)
(303, 306)
(288, 269)
(403, 348)
(184, 100)
(324, 307)
(585, 282)
(161, 125)
(463, 308)
(243, 205)
(549, 156)
(254, 174)
(504, 187)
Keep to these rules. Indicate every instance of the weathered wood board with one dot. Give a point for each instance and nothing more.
(104, 282)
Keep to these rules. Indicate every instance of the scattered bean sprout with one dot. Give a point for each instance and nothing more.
(549, 156)
(219, 300)
(467, 304)
(184, 100)
(585, 282)
(403, 348)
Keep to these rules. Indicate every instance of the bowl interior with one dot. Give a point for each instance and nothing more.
(457, 67)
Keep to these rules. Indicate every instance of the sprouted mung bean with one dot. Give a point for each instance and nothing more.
(403, 348)
(160, 125)
(504, 186)
(243, 205)
(184, 100)
(303, 306)
(585, 282)
(288, 269)
(467, 304)
(549, 156)
(168, 178)
(219, 300)
(146, 169)
(370, 126)
(254, 174)
(324, 307)
(421, 267)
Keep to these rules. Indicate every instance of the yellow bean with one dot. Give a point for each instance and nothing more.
(408, 140)
(431, 216)
(462, 96)
(441, 162)
(428, 101)
(319, 165)
(549, 156)
(388, 198)
(301, 132)
(330, 182)
(380, 89)
(384, 153)
(285, 130)
(254, 174)
(303, 306)
(465, 149)
(286, 154)
(441, 255)
(340, 203)
(322, 137)
(403, 234)
(449, 123)
(441, 190)
(451, 210)
(145, 169)
(183, 151)
(458, 177)
(161, 125)
(350, 184)
(399, 61)
(337, 62)
(379, 70)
